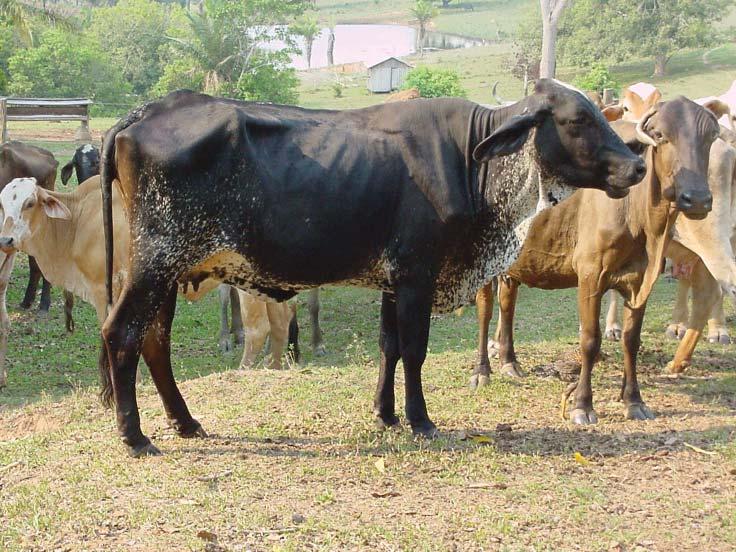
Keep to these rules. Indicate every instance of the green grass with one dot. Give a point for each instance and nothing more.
(487, 18)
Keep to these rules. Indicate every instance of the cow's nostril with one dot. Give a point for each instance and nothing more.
(641, 169)
(686, 200)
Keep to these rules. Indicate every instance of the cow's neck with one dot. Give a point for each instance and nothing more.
(52, 243)
(651, 216)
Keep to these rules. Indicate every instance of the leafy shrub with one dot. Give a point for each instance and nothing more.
(65, 65)
(434, 83)
(597, 79)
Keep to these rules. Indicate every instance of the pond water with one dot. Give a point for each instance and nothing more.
(373, 43)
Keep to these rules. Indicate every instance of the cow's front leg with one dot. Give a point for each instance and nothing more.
(388, 340)
(7, 268)
(157, 354)
(123, 334)
(223, 293)
(413, 310)
(484, 308)
(508, 290)
(589, 310)
(635, 408)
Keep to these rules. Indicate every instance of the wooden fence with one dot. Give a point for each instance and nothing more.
(46, 109)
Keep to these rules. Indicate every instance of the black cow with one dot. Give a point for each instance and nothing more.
(425, 200)
(86, 163)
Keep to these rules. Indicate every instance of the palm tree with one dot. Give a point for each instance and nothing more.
(423, 11)
(213, 49)
(20, 15)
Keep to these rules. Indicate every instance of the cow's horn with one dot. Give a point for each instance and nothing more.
(499, 101)
(642, 136)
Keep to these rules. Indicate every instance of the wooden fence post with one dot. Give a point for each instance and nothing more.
(607, 96)
(3, 120)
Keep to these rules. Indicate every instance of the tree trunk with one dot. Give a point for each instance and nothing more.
(331, 48)
(660, 65)
(308, 43)
(551, 10)
(421, 38)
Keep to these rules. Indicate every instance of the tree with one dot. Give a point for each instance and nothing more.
(551, 11)
(331, 24)
(224, 50)
(618, 29)
(133, 33)
(20, 14)
(66, 65)
(434, 83)
(423, 11)
(309, 29)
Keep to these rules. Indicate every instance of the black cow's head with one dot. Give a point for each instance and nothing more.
(573, 141)
(86, 161)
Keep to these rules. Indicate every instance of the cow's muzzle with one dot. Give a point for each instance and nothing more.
(695, 204)
(7, 245)
(626, 174)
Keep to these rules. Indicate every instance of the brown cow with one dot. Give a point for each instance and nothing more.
(19, 160)
(597, 244)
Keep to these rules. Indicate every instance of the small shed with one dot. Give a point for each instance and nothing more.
(387, 75)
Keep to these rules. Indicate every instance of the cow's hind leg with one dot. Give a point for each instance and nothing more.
(318, 346)
(677, 327)
(384, 402)
(706, 293)
(33, 278)
(236, 326)
(508, 290)
(157, 354)
(635, 408)
(123, 333)
(484, 308)
(717, 329)
(589, 308)
(223, 293)
(613, 328)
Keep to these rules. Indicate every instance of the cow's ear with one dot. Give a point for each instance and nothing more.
(654, 97)
(55, 208)
(613, 113)
(626, 130)
(506, 139)
(718, 108)
(66, 172)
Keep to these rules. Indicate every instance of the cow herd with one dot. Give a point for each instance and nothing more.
(435, 203)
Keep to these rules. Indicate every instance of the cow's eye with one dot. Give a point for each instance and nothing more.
(658, 136)
(626, 108)
(28, 204)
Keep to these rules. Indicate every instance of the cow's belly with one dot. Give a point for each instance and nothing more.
(233, 268)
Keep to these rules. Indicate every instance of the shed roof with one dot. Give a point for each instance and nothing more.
(384, 60)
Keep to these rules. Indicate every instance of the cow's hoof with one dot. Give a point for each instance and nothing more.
(387, 421)
(192, 431)
(676, 369)
(479, 380)
(425, 430)
(226, 346)
(580, 416)
(671, 333)
(493, 348)
(239, 339)
(319, 350)
(721, 338)
(141, 451)
(512, 370)
(639, 411)
(25, 305)
(613, 333)
(43, 314)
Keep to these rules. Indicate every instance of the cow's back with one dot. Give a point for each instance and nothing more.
(19, 160)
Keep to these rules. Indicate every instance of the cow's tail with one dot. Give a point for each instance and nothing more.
(108, 173)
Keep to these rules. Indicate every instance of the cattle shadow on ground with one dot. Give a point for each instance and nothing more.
(542, 441)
